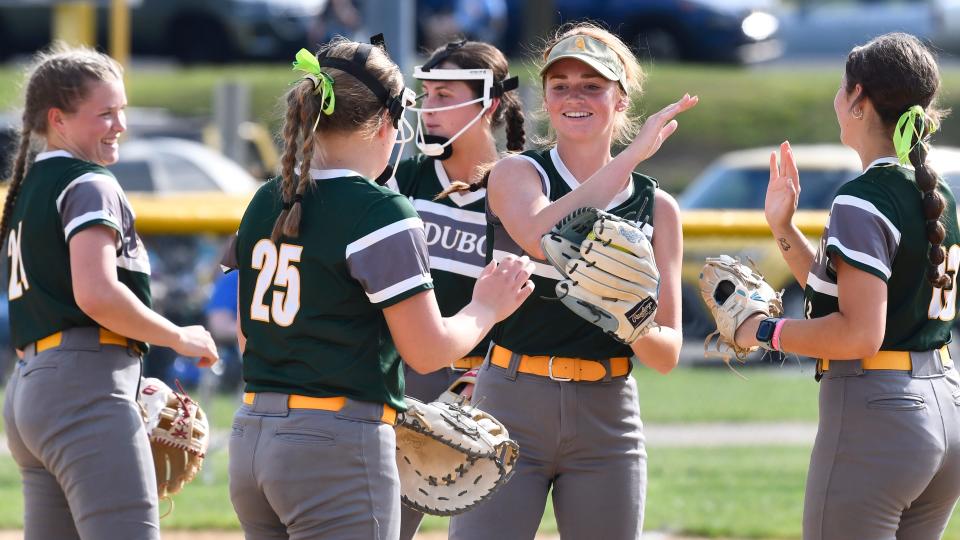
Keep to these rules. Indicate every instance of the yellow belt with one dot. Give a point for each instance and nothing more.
(295, 401)
(106, 338)
(898, 360)
(562, 369)
(467, 363)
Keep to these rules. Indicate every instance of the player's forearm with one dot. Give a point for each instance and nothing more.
(834, 336)
(115, 307)
(796, 251)
(659, 349)
(597, 192)
(455, 338)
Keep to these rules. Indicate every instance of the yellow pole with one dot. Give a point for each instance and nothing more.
(75, 23)
(120, 31)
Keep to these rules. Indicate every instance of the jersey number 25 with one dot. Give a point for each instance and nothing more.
(276, 266)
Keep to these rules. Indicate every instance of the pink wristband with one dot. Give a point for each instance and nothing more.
(775, 340)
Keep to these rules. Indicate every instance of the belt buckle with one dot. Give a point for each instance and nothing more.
(456, 369)
(550, 372)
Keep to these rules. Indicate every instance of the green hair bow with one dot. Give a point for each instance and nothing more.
(905, 130)
(322, 82)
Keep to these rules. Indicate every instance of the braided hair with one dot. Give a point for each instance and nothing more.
(896, 72)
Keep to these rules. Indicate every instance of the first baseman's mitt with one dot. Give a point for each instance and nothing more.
(611, 277)
(178, 433)
(734, 291)
(451, 456)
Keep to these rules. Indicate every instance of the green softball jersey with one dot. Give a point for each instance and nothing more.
(543, 326)
(455, 230)
(876, 224)
(61, 196)
(311, 306)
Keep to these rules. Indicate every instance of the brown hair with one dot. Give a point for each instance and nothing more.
(356, 109)
(626, 125)
(480, 55)
(896, 72)
(58, 77)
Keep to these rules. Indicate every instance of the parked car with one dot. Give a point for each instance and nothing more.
(189, 30)
(833, 27)
(946, 26)
(169, 165)
(737, 181)
(700, 30)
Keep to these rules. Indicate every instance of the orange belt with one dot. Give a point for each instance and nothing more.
(336, 403)
(106, 338)
(562, 369)
(898, 360)
(466, 363)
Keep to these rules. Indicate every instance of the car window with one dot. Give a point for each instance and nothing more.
(182, 175)
(134, 175)
(745, 189)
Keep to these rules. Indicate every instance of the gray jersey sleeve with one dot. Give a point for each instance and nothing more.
(863, 235)
(229, 262)
(92, 199)
(392, 262)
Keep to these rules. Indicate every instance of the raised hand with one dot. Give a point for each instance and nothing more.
(658, 127)
(783, 190)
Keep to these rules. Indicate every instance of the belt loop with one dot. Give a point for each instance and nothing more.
(608, 370)
(487, 357)
(270, 404)
(511, 373)
(926, 364)
(361, 411)
(29, 351)
(844, 368)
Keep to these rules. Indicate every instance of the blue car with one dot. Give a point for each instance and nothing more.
(738, 31)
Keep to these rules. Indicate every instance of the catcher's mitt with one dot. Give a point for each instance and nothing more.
(611, 277)
(178, 432)
(451, 456)
(734, 291)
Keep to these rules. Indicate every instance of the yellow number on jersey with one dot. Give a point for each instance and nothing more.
(943, 304)
(277, 268)
(18, 274)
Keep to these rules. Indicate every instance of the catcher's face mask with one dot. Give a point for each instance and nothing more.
(395, 104)
(441, 147)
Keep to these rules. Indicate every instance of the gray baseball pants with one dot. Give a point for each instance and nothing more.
(309, 474)
(75, 431)
(584, 440)
(886, 461)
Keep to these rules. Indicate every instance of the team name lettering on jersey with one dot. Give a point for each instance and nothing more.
(455, 237)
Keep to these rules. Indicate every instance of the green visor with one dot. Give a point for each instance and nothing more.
(592, 52)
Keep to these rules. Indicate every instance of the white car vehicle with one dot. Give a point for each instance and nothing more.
(170, 165)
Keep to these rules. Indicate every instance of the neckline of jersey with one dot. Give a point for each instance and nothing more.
(887, 161)
(327, 174)
(571, 180)
(460, 199)
(52, 154)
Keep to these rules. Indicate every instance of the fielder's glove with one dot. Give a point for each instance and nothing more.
(611, 277)
(734, 292)
(178, 431)
(451, 456)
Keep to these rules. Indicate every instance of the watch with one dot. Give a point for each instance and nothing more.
(765, 332)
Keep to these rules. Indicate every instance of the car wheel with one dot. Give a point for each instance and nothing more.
(199, 39)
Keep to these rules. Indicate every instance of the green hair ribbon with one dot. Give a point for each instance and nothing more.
(905, 130)
(322, 81)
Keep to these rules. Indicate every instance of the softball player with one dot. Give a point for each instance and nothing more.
(881, 298)
(79, 289)
(466, 95)
(334, 283)
(560, 385)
